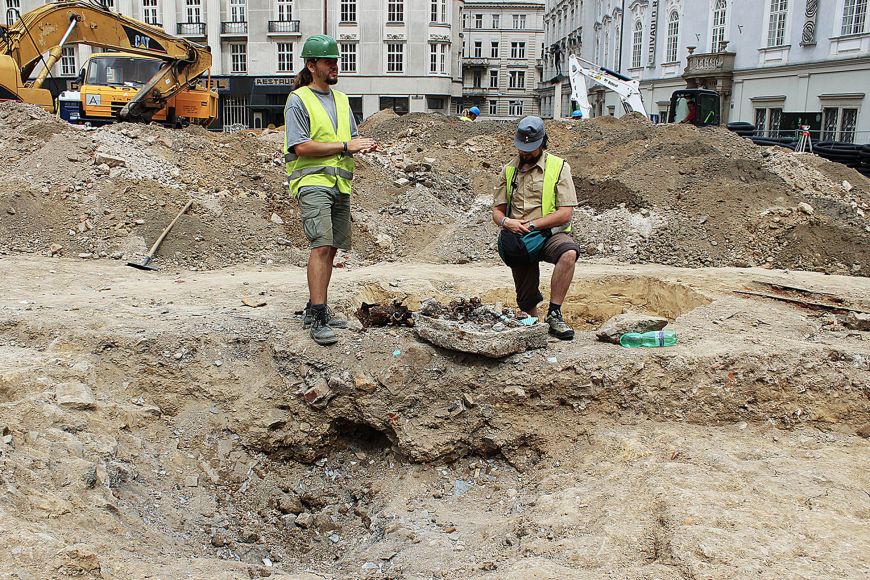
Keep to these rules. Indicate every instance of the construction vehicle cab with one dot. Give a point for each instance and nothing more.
(108, 81)
(699, 107)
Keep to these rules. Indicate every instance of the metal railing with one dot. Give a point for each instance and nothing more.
(234, 27)
(191, 28)
(284, 26)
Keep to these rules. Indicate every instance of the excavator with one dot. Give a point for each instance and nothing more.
(699, 107)
(152, 76)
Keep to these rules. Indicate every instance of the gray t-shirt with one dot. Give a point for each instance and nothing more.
(296, 121)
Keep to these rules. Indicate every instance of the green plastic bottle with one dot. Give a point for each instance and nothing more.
(648, 339)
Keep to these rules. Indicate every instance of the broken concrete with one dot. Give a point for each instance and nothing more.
(471, 339)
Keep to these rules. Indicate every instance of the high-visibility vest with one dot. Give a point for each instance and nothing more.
(552, 171)
(331, 171)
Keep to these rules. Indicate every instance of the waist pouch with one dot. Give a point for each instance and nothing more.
(521, 249)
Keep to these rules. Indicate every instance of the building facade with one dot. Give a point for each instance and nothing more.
(501, 50)
(400, 54)
(775, 63)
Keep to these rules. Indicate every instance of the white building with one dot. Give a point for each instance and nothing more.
(775, 62)
(501, 56)
(403, 54)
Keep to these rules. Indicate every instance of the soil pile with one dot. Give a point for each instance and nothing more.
(667, 194)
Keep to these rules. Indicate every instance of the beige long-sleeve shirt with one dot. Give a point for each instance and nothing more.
(528, 193)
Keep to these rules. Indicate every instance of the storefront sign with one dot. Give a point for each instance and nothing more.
(273, 81)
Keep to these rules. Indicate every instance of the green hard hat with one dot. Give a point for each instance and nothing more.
(320, 46)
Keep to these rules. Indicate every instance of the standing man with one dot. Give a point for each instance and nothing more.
(319, 140)
(536, 196)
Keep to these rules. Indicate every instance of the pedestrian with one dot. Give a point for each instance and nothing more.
(534, 203)
(320, 140)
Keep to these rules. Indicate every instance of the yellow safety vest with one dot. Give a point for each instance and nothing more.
(552, 171)
(333, 170)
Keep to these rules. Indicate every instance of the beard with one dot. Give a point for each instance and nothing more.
(529, 159)
(331, 80)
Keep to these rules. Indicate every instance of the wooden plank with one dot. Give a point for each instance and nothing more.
(805, 303)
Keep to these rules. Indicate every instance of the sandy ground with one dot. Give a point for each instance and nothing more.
(153, 425)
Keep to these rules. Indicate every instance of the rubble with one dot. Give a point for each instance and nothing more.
(463, 337)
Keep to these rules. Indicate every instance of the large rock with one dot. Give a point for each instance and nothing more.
(456, 336)
(857, 321)
(629, 322)
(74, 395)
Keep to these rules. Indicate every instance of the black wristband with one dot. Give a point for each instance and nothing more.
(344, 144)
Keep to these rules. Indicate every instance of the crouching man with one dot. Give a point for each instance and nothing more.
(534, 203)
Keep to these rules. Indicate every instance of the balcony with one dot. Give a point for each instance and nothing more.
(234, 28)
(191, 29)
(475, 62)
(475, 91)
(283, 27)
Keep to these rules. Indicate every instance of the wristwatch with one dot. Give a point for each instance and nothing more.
(531, 226)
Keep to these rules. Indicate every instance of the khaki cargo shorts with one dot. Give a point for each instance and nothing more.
(325, 217)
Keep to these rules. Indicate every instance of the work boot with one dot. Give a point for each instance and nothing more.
(558, 327)
(321, 332)
(332, 320)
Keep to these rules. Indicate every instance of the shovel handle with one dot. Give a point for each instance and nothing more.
(159, 241)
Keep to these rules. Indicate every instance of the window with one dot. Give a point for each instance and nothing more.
(438, 11)
(606, 48)
(493, 78)
(478, 20)
(398, 104)
(673, 37)
(348, 11)
(194, 11)
(475, 79)
(395, 57)
(238, 11)
(235, 113)
(496, 21)
(149, 12)
(776, 26)
(636, 44)
(108, 3)
(718, 33)
(854, 17)
(348, 57)
(238, 57)
(478, 49)
(839, 124)
(493, 50)
(11, 16)
(285, 57)
(493, 107)
(518, 50)
(438, 59)
(519, 21)
(516, 108)
(395, 11)
(285, 10)
(68, 61)
(436, 103)
(761, 121)
(517, 79)
(774, 122)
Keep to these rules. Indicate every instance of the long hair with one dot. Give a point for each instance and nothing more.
(304, 77)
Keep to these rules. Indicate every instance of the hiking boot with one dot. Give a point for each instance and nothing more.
(308, 318)
(558, 327)
(321, 332)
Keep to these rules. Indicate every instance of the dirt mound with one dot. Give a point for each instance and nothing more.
(649, 193)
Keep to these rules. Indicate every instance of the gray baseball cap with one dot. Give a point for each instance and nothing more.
(530, 134)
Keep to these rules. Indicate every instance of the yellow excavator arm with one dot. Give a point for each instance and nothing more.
(50, 27)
